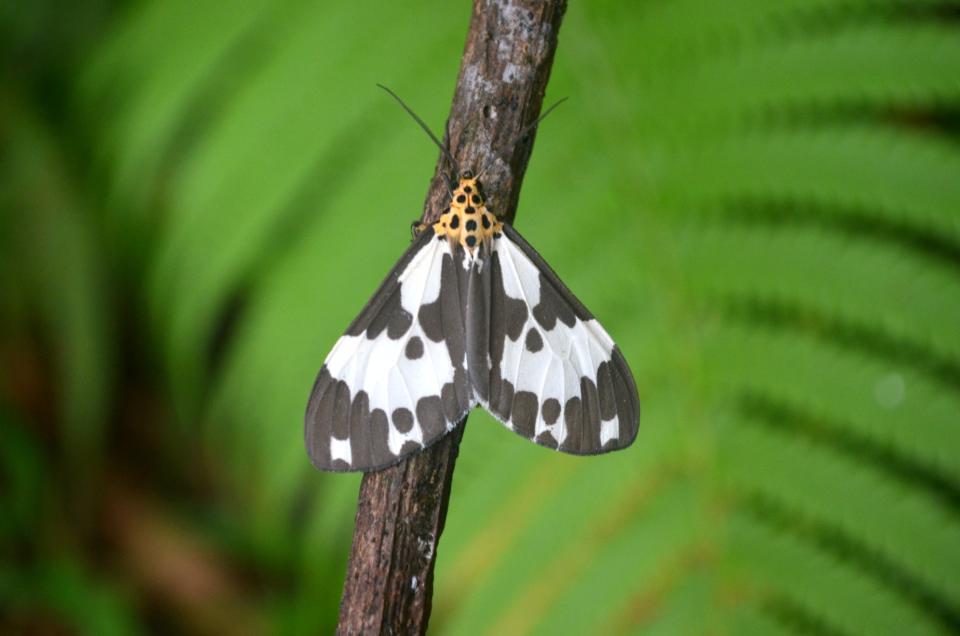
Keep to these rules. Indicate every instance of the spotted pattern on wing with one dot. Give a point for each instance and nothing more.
(471, 314)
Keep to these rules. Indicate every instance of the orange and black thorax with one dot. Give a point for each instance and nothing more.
(468, 221)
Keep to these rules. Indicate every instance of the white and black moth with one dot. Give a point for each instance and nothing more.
(470, 315)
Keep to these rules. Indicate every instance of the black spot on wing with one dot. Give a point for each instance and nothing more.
(545, 438)
(402, 419)
(431, 418)
(551, 410)
(571, 418)
(589, 418)
(409, 448)
(414, 348)
(607, 391)
(523, 415)
(341, 410)
(360, 454)
(534, 342)
(514, 319)
(379, 432)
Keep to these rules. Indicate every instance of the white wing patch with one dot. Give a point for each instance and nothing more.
(340, 450)
(418, 285)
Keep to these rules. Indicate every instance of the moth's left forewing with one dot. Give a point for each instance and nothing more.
(555, 375)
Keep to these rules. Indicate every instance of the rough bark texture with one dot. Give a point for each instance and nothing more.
(400, 515)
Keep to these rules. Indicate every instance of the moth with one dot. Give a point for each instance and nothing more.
(470, 315)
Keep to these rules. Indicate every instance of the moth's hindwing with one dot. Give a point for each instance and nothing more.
(553, 374)
(396, 380)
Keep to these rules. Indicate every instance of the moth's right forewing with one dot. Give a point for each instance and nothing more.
(395, 382)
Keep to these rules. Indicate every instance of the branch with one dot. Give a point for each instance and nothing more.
(400, 514)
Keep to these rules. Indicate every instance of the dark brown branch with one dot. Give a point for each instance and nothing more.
(400, 515)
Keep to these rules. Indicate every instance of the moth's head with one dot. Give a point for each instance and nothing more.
(467, 193)
(468, 178)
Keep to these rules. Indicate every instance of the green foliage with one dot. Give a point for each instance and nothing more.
(758, 199)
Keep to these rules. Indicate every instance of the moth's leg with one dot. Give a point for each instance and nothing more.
(417, 226)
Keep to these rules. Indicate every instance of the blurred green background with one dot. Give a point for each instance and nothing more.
(760, 200)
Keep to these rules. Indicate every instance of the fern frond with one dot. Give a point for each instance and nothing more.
(867, 284)
(883, 174)
(867, 396)
(825, 588)
(904, 527)
(860, 68)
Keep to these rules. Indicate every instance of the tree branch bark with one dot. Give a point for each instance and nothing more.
(401, 510)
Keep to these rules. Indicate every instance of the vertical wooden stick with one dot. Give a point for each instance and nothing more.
(401, 511)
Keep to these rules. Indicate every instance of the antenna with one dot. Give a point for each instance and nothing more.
(426, 129)
(526, 131)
